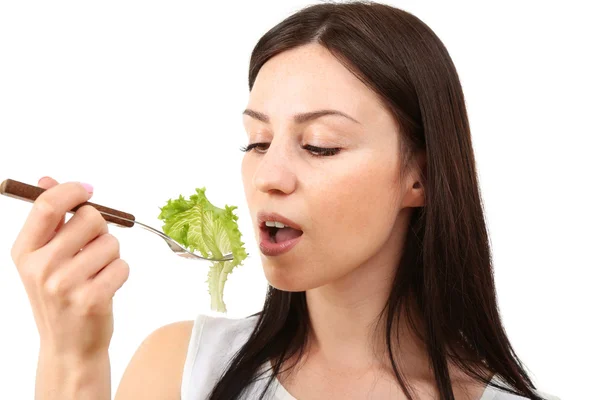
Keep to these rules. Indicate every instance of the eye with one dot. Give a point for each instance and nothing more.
(313, 150)
(261, 147)
(322, 151)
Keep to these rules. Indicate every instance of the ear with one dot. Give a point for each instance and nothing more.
(414, 195)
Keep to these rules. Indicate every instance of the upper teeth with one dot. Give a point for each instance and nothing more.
(275, 224)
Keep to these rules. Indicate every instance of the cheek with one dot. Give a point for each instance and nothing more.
(361, 196)
(352, 213)
(357, 209)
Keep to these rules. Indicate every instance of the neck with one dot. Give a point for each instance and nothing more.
(347, 322)
(344, 316)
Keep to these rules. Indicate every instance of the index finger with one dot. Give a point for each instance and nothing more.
(47, 211)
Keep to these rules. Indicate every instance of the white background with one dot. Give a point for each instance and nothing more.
(144, 99)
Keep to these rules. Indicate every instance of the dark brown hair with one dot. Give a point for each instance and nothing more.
(446, 267)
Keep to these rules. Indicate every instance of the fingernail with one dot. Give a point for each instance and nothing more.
(88, 187)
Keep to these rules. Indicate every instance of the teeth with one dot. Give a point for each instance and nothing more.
(275, 224)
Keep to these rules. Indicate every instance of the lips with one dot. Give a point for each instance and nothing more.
(268, 245)
(262, 217)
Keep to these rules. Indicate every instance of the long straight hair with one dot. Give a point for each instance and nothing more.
(446, 266)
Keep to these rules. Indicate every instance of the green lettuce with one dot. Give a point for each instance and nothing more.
(200, 226)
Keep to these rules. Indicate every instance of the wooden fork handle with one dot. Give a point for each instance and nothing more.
(23, 191)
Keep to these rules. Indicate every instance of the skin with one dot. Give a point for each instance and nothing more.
(70, 272)
(71, 293)
(353, 208)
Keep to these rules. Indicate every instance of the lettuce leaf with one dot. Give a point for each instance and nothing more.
(200, 226)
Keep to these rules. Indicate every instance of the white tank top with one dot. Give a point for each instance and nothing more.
(214, 342)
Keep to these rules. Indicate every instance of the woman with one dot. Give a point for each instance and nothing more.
(381, 282)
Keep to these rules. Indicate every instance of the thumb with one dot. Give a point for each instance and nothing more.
(47, 182)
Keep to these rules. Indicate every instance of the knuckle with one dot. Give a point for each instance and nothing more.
(121, 273)
(34, 273)
(81, 300)
(88, 212)
(90, 303)
(92, 216)
(45, 209)
(112, 242)
(15, 254)
(53, 250)
(56, 286)
(123, 266)
(84, 304)
(118, 272)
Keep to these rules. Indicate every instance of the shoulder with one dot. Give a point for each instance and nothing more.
(155, 370)
(177, 357)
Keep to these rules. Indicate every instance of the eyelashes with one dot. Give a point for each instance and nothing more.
(252, 146)
(313, 150)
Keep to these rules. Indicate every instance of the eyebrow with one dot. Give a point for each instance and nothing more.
(300, 118)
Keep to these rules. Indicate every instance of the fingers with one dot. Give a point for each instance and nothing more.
(46, 183)
(47, 212)
(86, 225)
(110, 279)
(86, 264)
(96, 295)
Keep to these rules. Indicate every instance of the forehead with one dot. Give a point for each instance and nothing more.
(307, 78)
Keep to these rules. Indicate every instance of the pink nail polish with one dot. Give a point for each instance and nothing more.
(88, 187)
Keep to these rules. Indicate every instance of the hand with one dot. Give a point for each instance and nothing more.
(70, 271)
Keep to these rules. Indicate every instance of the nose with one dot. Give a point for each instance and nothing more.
(274, 173)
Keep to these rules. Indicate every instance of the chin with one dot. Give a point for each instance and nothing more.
(287, 279)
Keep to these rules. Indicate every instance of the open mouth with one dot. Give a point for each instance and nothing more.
(279, 234)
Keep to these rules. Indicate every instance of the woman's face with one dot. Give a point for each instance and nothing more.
(344, 203)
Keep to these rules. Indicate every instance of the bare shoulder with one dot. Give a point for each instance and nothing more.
(156, 368)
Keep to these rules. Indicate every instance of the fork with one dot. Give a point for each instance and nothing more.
(26, 192)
